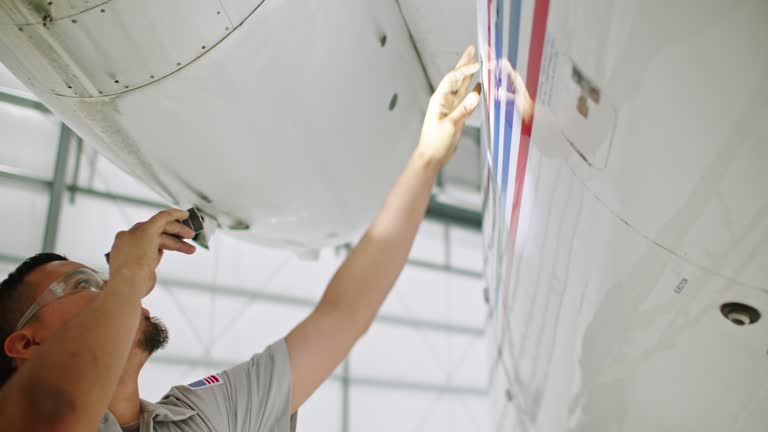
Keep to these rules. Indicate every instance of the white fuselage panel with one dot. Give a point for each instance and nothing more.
(620, 223)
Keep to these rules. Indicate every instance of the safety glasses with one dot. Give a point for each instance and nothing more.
(76, 281)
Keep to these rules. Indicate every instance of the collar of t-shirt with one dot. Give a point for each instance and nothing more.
(155, 412)
(167, 413)
(133, 427)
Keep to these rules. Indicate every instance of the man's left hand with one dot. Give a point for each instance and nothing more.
(448, 109)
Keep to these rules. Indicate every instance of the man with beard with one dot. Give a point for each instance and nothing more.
(74, 344)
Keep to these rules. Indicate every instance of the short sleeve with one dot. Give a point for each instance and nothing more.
(252, 396)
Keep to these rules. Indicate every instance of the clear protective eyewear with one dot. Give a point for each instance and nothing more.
(76, 281)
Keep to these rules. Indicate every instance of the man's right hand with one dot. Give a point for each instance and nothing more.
(137, 252)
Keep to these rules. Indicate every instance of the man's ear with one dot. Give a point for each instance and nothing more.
(19, 345)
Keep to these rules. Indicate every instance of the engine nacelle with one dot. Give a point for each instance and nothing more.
(286, 121)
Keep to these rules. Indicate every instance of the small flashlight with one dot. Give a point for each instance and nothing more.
(193, 222)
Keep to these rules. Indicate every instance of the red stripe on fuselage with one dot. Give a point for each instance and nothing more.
(540, 11)
(532, 84)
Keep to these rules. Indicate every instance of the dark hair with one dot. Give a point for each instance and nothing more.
(13, 304)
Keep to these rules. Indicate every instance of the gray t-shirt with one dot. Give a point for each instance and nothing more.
(252, 396)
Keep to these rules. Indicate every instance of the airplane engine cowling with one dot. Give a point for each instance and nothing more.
(286, 121)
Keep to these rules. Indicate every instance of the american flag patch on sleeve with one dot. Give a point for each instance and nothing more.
(208, 381)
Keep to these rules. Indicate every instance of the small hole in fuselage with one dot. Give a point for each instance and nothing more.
(393, 102)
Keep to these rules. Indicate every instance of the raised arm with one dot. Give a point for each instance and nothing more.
(69, 381)
(356, 292)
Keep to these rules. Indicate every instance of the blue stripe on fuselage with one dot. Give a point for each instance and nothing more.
(496, 83)
(514, 35)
